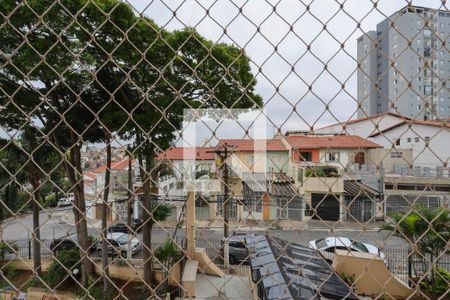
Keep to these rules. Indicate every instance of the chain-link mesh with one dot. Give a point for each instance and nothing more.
(224, 149)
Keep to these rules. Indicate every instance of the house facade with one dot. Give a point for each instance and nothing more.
(363, 127)
(429, 142)
(318, 165)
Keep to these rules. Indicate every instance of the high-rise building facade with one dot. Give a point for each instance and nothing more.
(403, 66)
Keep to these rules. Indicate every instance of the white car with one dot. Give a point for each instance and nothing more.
(327, 247)
(64, 202)
(118, 244)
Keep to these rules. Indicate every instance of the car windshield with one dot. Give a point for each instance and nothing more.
(123, 239)
(359, 246)
(321, 243)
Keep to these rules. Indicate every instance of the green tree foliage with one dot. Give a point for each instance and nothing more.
(108, 71)
(62, 267)
(429, 230)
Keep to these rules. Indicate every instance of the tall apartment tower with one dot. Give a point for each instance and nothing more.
(403, 66)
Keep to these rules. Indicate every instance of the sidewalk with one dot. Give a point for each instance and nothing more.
(253, 225)
(69, 218)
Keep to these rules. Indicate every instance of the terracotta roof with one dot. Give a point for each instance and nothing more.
(178, 153)
(91, 175)
(367, 118)
(427, 123)
(115, 166)
(337, 142)
(247, 145)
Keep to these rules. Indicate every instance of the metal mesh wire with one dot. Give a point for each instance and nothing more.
(133, 162)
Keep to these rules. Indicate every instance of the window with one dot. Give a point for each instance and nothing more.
(408, 140)
(416, 139)
(305, 156)
(250, 159)
(427, 139)
(332, 156)
(397, 142)
(396, 154)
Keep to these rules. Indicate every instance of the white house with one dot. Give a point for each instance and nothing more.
(363, 127)
(428, 140)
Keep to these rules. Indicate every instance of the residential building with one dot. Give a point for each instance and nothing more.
(188, 165)
(429, 142)
(363, 127)
(404, 193)
(403, 66)
(334, 150)
(318, 164)
(249, 155)
(271, 196)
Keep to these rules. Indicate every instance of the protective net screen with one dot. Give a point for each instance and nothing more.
(227, 149)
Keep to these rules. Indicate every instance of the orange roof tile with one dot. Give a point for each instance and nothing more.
(115, 166)
(248, 145)
(90, 175)
(179, 153)
(336, 142)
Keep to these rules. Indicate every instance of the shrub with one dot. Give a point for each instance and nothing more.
(95, 291)
(66, 261)
(441, 280)
(9, 270)
(348, 279)
(7, 247)
(169, 253)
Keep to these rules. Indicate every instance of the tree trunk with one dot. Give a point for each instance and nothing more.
(79, 209)
(104, 215)
(146, 238)
(36, 236)
(149, 187)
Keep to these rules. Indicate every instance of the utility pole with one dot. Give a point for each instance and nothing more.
(224, 154)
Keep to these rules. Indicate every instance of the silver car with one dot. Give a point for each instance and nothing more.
(328, 246)
(118, 244)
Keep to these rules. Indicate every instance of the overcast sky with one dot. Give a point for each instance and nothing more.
(279, 50)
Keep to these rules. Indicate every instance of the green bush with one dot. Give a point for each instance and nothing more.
(441, 281)
(168, 253)
(7, 247)
(9, 270)
(348, 279)
(95, 290)
(66, 261)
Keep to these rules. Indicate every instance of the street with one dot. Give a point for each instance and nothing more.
(53, 226)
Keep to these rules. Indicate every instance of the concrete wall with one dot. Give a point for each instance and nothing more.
(437, 152)
(372, 278)
(363, 128)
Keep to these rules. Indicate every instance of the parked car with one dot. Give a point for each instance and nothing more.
(118, 244)
(136, 225)
(328, 246)
(51, 203)
(67, 243)
(237, 249)
(64, 202)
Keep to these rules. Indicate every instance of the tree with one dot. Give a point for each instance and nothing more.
(428, 229)
(111, 62)
(37, 161)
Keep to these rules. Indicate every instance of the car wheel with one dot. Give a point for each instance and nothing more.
(231, 259)
(124, 254)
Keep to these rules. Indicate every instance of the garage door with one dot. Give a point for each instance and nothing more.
(327, 207)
